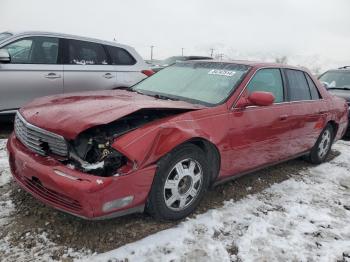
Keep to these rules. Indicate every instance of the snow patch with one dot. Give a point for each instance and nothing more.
(305, 218)
(5, 175)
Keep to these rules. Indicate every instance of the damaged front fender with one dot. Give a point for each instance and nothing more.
(146, 146)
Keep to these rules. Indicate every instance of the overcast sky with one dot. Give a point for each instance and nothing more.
(301, 28)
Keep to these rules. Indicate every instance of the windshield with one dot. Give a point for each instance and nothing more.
(205, 83)
(3, 36)
(336, 79)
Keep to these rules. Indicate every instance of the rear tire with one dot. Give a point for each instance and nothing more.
(181, 180)
(323, 146)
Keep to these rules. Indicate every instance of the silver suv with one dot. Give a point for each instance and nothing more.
(34, 64)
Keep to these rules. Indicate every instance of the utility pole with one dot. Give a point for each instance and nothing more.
(220, 56)
(212, 52)
(182, 51)
(152, 46)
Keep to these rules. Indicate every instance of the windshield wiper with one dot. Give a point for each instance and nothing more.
(340, 88)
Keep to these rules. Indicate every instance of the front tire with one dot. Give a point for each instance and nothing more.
(180, 182)
(323, 145)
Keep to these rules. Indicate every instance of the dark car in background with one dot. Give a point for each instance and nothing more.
(173, 59)
(337, 81)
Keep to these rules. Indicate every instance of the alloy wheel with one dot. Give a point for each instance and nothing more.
(324, 144)
(183, 184)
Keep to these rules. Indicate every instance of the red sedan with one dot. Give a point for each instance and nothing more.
(159, 145)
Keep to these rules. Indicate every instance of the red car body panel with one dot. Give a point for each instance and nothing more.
(246, 139)
(59, 114)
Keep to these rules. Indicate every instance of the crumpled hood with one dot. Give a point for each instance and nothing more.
(70, 114)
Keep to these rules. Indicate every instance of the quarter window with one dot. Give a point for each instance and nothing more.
(298, 86)
(86, 53)
(313, 89)
(120, 56)
(268, 80)
(34, 50)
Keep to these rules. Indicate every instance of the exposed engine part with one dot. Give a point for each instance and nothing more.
(91, 151)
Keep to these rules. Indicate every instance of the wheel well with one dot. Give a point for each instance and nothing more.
(212, 153)
(334, 126)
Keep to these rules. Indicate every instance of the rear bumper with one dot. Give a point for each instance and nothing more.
(75, 192)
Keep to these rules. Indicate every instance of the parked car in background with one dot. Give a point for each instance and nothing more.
(173, 59)
(34, 64)
(158, 147)
(337, 81)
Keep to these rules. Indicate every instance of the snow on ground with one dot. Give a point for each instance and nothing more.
(4, 168)
(305, 218)
(5, 204)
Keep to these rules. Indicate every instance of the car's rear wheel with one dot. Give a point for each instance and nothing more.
(323, 146)
(179, 184)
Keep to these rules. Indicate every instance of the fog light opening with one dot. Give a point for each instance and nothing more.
(117, 203)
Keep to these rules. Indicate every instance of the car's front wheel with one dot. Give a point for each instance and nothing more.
(323, 145)
(179, 184)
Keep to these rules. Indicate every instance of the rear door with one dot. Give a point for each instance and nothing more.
(128, 73)
(306, 110)
(34, 71)
(87, 67)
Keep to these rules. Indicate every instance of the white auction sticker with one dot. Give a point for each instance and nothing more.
(221, 72)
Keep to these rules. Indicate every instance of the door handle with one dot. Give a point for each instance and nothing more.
(322, 112)
(283, 117)
(108, 76)
(52, 76)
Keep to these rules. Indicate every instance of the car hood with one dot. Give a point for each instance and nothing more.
(341, 93)
(68, 115)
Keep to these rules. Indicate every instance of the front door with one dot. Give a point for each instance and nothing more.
(259, 135)
(34, 71)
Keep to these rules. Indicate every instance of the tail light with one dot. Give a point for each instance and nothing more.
(147, 72)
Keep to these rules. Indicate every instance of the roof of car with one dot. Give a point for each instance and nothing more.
(62, 35)
(249, 63)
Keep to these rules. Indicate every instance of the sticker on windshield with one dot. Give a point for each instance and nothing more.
(221, 72)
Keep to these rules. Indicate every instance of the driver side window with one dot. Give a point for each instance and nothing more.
(34, 50)
(268, 80)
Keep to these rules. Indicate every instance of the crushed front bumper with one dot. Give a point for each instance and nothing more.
(74, 192)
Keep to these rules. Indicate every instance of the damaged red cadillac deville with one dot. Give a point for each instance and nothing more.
(158, 146)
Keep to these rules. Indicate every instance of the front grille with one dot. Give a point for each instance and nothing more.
(39, 140)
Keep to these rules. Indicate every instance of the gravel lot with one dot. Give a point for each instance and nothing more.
(36, 231)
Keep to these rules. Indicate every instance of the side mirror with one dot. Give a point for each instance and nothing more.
(4, 56)
(260, 98)
(257, 98)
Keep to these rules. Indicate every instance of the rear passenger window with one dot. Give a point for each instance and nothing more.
(86, 53)
(120, 56)
(298, 86)
(268, 80)
(313, 89)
